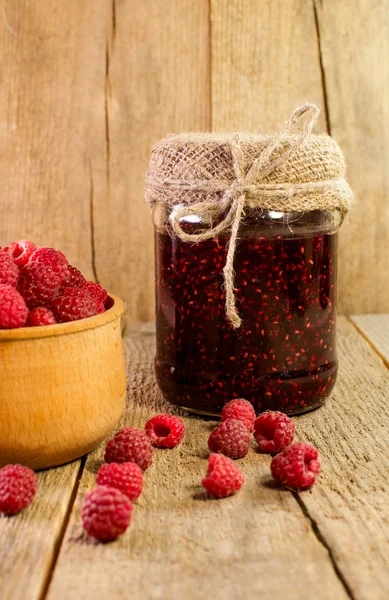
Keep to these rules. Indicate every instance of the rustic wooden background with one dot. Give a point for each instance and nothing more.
(88, 87)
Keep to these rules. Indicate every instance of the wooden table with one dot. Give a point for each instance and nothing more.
(265, 542)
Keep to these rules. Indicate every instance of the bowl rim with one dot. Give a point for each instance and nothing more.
(71, 327)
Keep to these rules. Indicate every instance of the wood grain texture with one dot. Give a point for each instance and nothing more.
(375, 328)
(52, 121)
(157, 82)
(354, 40)
(28, 541)
(265, 62)
(263, 542)
(182, 544)
(350, 505)
(88, 87)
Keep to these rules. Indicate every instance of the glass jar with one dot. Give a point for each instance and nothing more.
(283, 356)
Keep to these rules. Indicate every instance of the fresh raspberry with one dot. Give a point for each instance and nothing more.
(130, 445)
(231, 438)
(297, 466)
(273, 431)
(9, 273)
(165, 431)
(241, 410)
(38, 284)
(224, 477)
(76, 278)
(106, 513)
(126, 477)
(20, 251)
(54, 259)
(13, 309)
(18, 487)
(97, 292)
(40, 316)
(83, 293)
(73, 307)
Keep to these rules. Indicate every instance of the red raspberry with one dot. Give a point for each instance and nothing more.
(13, 309)
(76, 278)
(165, 431)
(297, 466)
(224, 477)
(9, 273)
(40, 316)
(54, 259)
(130, 445)
(231, 438)
(83, 293)
(241, 410)
(97, 292)
(18, 487)
(38, 284)
(20, 251)
(273, 431)
(73, 307)
(106, 513)
(126, 477)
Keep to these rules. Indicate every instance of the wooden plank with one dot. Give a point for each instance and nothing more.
(257, 544)
(51, 125)
(265, 62)
(52, 121)
(354, 39)
(375, 328)
(157, 82)
(28, 541)
(350, 504)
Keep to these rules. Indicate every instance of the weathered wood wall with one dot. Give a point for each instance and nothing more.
(88, 87)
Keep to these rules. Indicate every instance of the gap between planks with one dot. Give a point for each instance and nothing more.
(375, 330)
(364, 324)
(322, 70)
(322, 540)
(58, 542)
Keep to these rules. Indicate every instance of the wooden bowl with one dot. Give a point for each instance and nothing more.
(62, 388)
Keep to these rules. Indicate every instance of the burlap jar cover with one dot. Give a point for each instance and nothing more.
(216, 176)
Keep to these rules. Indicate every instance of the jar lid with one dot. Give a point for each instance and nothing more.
(191, 167)
(207, 156)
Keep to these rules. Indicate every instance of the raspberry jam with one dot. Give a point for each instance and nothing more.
(283, 357)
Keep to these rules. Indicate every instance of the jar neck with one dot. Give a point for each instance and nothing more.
(258, 222)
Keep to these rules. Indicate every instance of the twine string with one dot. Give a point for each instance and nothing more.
(235, 197)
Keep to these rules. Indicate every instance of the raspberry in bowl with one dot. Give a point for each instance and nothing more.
(62, 385)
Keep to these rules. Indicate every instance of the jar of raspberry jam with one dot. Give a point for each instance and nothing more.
(282, 356)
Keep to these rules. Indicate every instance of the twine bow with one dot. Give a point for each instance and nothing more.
(234, 198)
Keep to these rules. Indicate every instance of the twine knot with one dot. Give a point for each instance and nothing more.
(237, 188)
